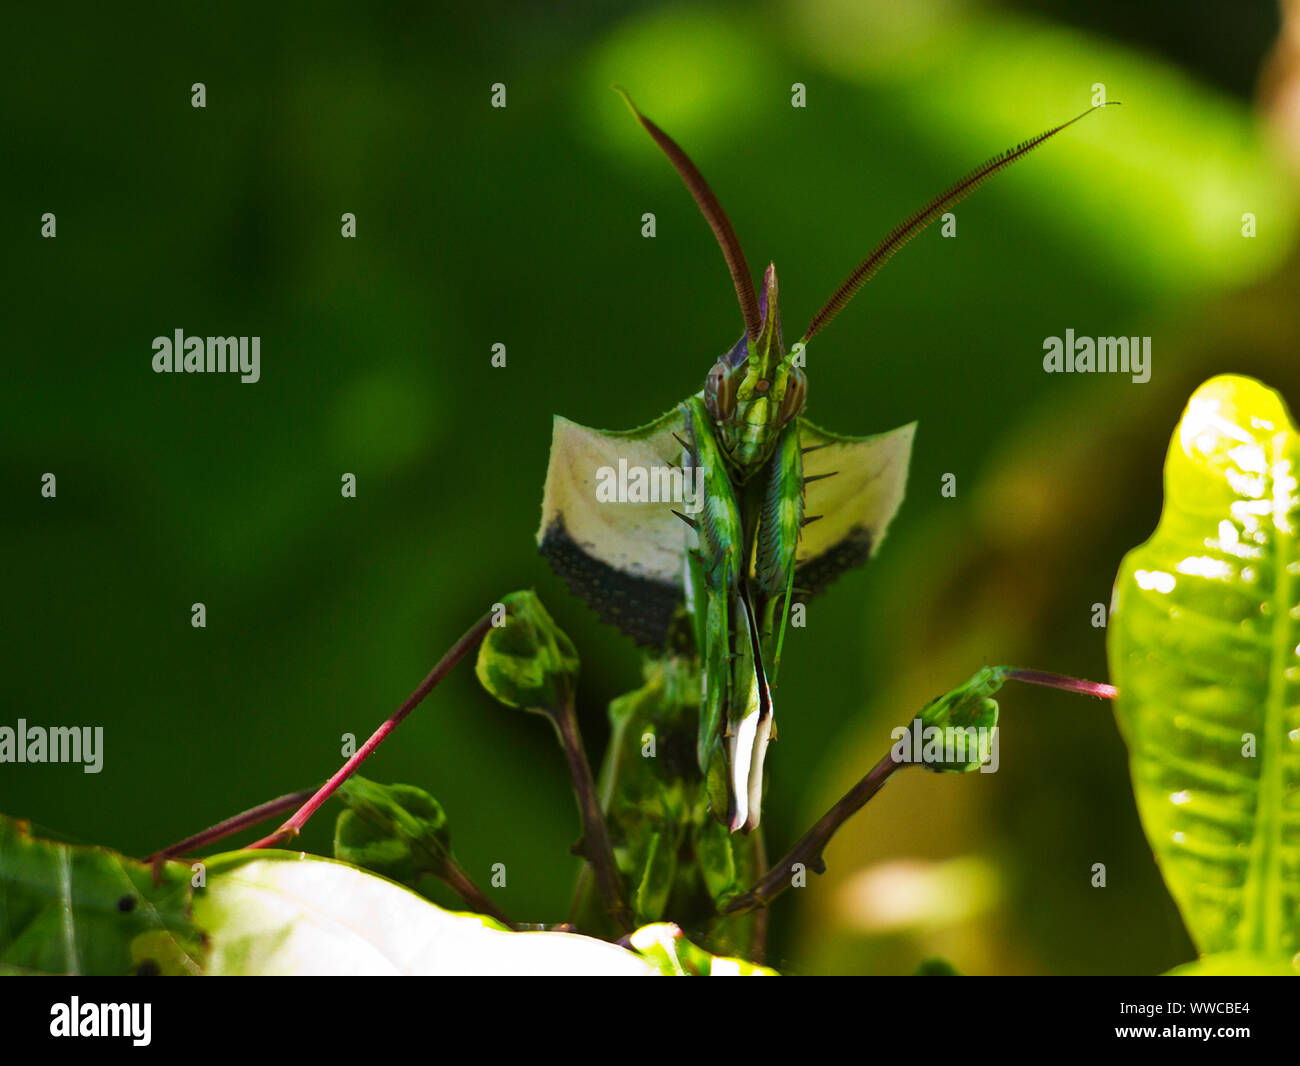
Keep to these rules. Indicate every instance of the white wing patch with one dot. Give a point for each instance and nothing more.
(856, 505)
(626, 559)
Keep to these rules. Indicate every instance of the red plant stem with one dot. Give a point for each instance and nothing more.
(231, 825)
(459, 650)
(1066, 684)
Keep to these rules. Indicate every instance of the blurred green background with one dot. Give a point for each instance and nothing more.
(522, 226)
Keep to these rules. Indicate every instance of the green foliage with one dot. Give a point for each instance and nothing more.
(1204, 643)
(399, 831)
(936, 968)
(1203, 647)
(967, 718)
(930, 92)
(66, 909)
(645, 809)
(529, 661)
(1234, 964)
(664, 946)
(277, 912)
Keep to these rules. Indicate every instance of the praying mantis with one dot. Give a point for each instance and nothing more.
(711, 592)
(705, 579)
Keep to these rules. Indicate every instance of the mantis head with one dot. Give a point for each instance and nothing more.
(757, 387)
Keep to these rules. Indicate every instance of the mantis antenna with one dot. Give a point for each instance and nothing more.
(909, 228)
(713, 214)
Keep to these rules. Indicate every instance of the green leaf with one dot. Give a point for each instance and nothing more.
(658, 872)
(1203, 648)
(716, 858)
(279, 912)
(68, 909)
(529, 661)
(64, 909)
(399, 831)
(1235, 964)
(665, 946)
(936, 968)
(957, 729)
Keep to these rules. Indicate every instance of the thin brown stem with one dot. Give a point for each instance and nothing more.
(759, 952)
(808, 851)
(459, 650)
(595, 834)
(231, 825)
(454, 875)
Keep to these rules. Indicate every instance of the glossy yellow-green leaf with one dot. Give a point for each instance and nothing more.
(1203, 648)
(665, 946)
(1235, 964)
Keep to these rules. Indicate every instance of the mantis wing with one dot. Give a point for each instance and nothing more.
(626, 560)
(855, 506)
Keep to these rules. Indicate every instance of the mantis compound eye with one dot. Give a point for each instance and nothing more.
(720, 391)
(796, 395)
